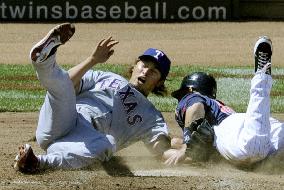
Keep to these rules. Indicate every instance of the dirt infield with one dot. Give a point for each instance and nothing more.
(132, 168)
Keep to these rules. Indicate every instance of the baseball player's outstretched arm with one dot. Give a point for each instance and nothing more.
(194, 112)
(174, 156)
(162, 148)
(100, 55)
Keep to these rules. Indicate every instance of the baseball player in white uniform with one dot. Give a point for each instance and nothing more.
(246, 138)
(89, 115)
(241, 138)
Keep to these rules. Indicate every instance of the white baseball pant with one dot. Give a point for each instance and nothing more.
(245, 138)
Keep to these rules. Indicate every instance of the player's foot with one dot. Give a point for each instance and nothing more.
(48, 45)
(262, 54)
(26, 161)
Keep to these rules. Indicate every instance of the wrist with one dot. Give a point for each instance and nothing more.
(92, 60)
(186, 135)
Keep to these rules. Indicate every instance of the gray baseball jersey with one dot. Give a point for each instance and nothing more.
(114, 107)
(106, 115)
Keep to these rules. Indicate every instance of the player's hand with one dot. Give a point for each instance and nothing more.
(104, 50)
(174, 156)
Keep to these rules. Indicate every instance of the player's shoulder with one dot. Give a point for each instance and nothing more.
(108, 74)
(190, 99)
(193, 96)
(100, 72)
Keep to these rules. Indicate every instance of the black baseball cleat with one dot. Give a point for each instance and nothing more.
(26, 161)
(48, 45)
(262, 54)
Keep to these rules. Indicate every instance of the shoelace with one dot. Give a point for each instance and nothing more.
(262, 59)
(266, 68)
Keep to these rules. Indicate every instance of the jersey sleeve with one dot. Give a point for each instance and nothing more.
(88, 81)
(195, 98)
(158, 129)
(185, 104)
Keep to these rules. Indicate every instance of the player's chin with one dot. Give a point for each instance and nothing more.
(141, 88)
(177, 143)
(137, 85)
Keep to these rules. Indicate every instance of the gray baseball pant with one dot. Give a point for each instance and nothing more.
(70, 140)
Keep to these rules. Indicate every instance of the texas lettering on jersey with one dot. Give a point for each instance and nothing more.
(128, 100)
(107, 83)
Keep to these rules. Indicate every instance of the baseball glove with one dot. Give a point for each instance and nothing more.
(200, 147)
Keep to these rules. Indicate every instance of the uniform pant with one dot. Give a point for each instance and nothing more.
(245, 138)
(69, 139)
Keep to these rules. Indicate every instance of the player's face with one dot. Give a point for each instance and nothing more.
(145, 77)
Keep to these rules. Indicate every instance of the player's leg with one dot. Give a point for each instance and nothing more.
(277, 135)
(255, 136)
(244, 138)
(68, 155)
(58, 113)
(79, 148)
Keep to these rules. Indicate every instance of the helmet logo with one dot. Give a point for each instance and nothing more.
(195, 77)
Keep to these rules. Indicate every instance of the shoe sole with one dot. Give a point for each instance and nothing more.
(262, 39)
(57, 36)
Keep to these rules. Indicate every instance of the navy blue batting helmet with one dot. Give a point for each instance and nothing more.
(200, 82)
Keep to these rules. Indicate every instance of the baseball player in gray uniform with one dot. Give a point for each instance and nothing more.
(242, 138)
(89, 115)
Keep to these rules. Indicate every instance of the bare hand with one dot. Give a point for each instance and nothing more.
(104, 50)
(174, 156)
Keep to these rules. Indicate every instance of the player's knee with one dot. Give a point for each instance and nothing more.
(43, 144)
(43, 141)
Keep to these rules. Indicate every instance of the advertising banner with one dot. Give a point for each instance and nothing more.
(115, 10)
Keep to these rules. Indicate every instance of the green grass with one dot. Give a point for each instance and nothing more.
(20, 90)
